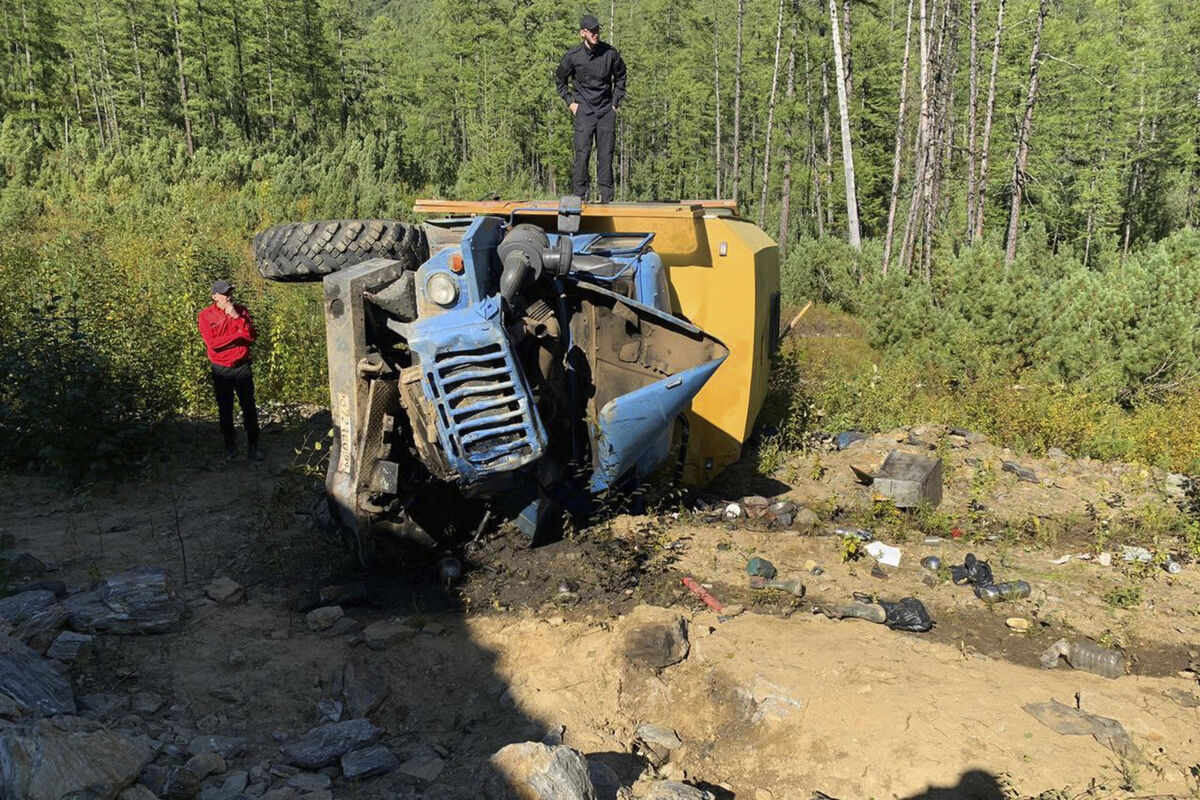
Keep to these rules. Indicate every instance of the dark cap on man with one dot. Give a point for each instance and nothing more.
(589, 23)
(221, 287)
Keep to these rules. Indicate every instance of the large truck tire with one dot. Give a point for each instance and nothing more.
(307, 251)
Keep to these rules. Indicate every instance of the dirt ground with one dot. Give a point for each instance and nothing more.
(772, 702)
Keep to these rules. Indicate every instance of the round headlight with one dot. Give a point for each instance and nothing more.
(442, 289)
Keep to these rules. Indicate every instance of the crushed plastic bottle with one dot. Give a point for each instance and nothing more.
(931, 563)
(859, 533)
(999, 592)
(1106, 662)
(1172, 566)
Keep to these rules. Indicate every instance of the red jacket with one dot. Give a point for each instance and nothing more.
(226, 338)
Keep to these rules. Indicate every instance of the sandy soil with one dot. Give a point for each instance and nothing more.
(775, 702)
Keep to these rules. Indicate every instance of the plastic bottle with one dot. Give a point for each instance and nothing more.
(1172, 566)
(999, 592)
(1106, 662)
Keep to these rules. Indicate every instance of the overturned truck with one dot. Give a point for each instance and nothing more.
(518, 360)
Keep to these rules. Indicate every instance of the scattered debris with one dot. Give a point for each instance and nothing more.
(702, 593)
(907, 614)
(760, 568)
(858, 533)
(791, 586)
(1018, 624)
(1172, 566)
(931, 563)
(1069, 721)
(733, 511)
(910, 481)
(1104, 559)
(884, 554)
(782, 512)
(1130, 554)
(1000, 592)
(1107, 662)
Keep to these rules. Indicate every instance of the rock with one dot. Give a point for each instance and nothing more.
(146, 703)
(656, 644)
(330, 710)
(205, 764)
(227, 746)
(1018, 624)
(755, 506)
(805, 519)
(66, 645)
(605, 782)
(282, 793)
(846, 438)
(1057, 454)
(54, 759)
(368, 762)
(674, 790)
(534, 771)
(138, 601)
(782, 512)
(225, 591)
(21, 565)
(227, 694)
(425, 767)
(31, 682)
(39, 629)
(656, 743)
(1104, 559)
(364, 686)
(19, 607)
(910, 481)
(1022, 473)
(102, 704)
(136, 792)
(343, 627)
(322, 619)
(385, 633)
(770, 701)
(310, 781)
(171, 783)
(323, 746)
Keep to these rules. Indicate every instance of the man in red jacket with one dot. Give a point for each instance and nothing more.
(228, 332)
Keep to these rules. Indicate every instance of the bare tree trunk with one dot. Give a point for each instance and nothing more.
(208, 81)
(33, 106)
(942, 144)
(827, 174)
(717, 93)
(980, 200)
(847, 149)
(814, 170)
(270, 73)
(1136, 173)
(785, 210)
(737, 102)
(972, 108)
(919, 156)
(891, 218)
(766, 172)
(1022, 155)
(110, 104)
(243, 96)
(183, 92)
(847, 57)
(137, 58)
(100, 121)
(75, 88)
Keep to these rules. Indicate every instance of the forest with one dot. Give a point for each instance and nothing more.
(999, 196)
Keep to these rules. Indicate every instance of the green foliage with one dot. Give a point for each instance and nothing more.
(1124, 597)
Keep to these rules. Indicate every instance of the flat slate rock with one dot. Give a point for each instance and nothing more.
(227, 746)
(674, 790)
(32, 682)
(364, 686)
(19, 607)
(49, 761)
(534, 771)
(368, 762)
(323, 746)
(138, 601)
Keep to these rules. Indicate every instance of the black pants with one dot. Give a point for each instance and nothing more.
(239, 380)
(603, 128)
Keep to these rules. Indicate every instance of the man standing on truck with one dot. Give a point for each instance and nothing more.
(599, 77)
(228, 332)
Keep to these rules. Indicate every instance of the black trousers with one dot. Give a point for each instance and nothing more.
(603, 130)
(239, 380)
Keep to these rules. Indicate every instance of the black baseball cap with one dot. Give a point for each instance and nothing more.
(222, 287)
(589, 23)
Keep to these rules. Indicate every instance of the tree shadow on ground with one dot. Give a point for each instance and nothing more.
(975, 784)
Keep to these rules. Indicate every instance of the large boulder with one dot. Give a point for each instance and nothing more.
(33, 684)
(67, 758)
(655, 639)
(323, 746)
(139, 601)
(535, 771)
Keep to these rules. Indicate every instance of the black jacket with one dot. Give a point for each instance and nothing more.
(599, 76)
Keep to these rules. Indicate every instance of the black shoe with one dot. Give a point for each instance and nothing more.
(255, 454)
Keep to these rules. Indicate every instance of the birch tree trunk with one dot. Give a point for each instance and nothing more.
(1022, 154)
(766, 172)
(1136, 173)
(891, 218)
(972, 109)
(137, 59)
(852, 229)
(814, 169)
(183, 92)
(827, 174)
(921, 163)
(33, 106)
(737, 101)
(981, 197)
(785, 209)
